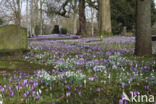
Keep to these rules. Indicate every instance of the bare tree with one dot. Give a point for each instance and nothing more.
(12, 10)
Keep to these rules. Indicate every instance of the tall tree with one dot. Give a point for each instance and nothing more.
(15, 8)
(18, 14)
(104, 17)
(36, 12)
(82, 19)
(32, 18)
(143, 46)
(41, 16)
(74, 5)
(27, 19)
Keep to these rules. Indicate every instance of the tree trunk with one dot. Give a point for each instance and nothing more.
(41, 19)
(18, 14)
(82, 19)
(75, 23)
(32, 18)
(36, 13)
(92, 20)
(143, 46)
(75, 6)
(27, 20)
(104, 17)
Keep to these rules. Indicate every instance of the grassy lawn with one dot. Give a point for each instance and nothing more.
(88, 72)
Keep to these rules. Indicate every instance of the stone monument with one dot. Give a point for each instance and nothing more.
(12, 38)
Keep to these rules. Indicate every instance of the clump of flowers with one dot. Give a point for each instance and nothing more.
(72, 76)
(51, 63)
(99, 68)
(45, 76)
(117, 60)
(61, 66)
(39, 57)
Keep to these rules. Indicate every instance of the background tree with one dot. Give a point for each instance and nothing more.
(143, 46)
(82, 19)
(104, 17)
(1, 21)
(11, 10)
(74, 5)
(32, 11)
(123, 13)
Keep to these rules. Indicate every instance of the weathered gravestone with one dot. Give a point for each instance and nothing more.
(12, 37)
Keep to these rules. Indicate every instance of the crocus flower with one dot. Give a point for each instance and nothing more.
(79, 93)
(11, 93)
(25, 95)
(2, 90)
(123, 85)
(67, 94)
(98, 89)
(17, 87)
(9, 87)
(91, 78)
(147, 87)
(120, 101)
(38, 96)
(33, 93)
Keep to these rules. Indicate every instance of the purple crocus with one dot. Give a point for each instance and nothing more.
(98, 89)
(123, 85)
(27, 92)
(11, 93)
(33, 93)
(79, 93)
(67, 94)
(17, 87)
(147, 87)
(38, 97)
(91, 78)
(2, 90)
(120, 101)
(108, 53)
(25, 95)
(75, 89)
(25, 81)
(9, 87)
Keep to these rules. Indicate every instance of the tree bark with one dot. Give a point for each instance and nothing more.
(27, 20)
(92, 21)
(143, 46)
(41, 19)
(104, 17)
(36, 13)
(75, 16)
(75, 23)
(18, 14)
(82, 19)
(32, 18)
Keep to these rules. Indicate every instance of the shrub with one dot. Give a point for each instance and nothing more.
(63, 31)
(1, 21)
(37, 30)
(56, 29)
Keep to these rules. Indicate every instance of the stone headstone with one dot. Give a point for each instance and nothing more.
(13, 37)
(124, 31)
